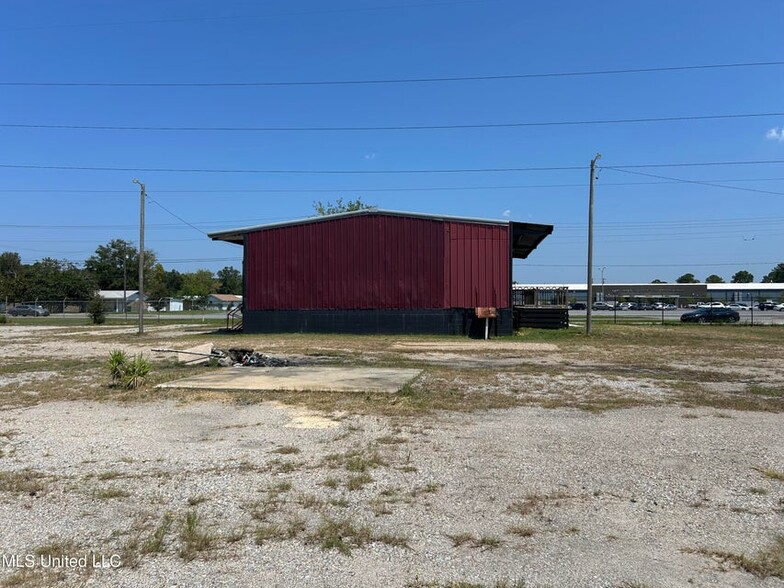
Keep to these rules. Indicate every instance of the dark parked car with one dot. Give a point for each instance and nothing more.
(28, 310)
(711, 315)
(601, 306)
(578, 306)
(767, 305)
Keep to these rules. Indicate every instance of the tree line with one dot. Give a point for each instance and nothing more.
(114, 266)
(774, 276)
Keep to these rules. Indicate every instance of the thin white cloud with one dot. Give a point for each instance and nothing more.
(371, 155)
(507, 213)
(775, 134)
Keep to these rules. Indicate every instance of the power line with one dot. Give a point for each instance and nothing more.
(176, 216)
(292, 172)
(390, 128)
(698, 182)
(382, 172)
(679, 264)
(186, 191)
(522, 76)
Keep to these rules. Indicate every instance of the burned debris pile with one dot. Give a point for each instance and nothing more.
(227, 357)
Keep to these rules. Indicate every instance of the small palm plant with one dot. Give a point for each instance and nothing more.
(128, 372)
(138, 369)
(118, 365)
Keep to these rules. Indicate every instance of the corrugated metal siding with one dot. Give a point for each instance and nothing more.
(364, 262)
(477, 265)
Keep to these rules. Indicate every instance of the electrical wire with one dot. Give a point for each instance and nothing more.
(697, 182)
(391, 128)
(186, 191)
(382, 172)
(421, 80)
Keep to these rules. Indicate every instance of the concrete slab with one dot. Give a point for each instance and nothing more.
(300, 378)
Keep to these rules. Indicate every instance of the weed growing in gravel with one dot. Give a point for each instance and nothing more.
(309, 501)
(279, 466)
(521, 530)
(344, 535)
(340, 534)
(287, 450)
(110, 475)
(503, 583)
(193, 538)
(460, 539)
(154, 543)
(331, 483)
(358, 482)
(197, 500)
(757, 491)
(768, 563)
(770, 473)
(391, 440)
(23, 482)
(109, 493)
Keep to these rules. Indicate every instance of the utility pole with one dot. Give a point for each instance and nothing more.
(588, 308)
(125, 285)
(142, 195)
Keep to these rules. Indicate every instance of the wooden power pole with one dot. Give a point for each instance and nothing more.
(589, 295)
(142, 196)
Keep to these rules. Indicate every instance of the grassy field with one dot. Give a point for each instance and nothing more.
(617, 366)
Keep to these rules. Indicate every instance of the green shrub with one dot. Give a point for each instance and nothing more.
(127, 372)
(137, 371)
(96, 310)
(2, 318)
(118, 364)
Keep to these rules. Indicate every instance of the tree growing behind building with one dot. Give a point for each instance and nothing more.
(742, 277)
(327, 208)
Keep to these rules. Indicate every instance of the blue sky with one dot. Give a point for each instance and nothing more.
(646, 227)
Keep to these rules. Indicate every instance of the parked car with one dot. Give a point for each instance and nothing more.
(779, 307)
(767, 305)
(28, 310)
(738, 306)
(711, 305)
(578, 306)
(602, 306)
(711, 315)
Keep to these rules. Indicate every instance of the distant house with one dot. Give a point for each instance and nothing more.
(223, 301)
(113, 300)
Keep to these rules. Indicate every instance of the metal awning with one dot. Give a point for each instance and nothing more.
(526, 237)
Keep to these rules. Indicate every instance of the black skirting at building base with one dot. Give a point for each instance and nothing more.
(453, 321)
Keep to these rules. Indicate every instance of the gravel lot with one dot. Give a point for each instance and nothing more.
(218, 493)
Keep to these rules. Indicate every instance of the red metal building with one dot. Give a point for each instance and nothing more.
(379, 271)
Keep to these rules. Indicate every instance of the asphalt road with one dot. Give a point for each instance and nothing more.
(763, 317)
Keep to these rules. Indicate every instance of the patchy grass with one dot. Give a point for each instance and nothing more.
(768, 563)
(287, 450)
(521, 531)
(154, 544)
(25, 481)
(770, 473)
(109, 493)
(503, 583)
(358, 482)
(194, 539)
(344, 535)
